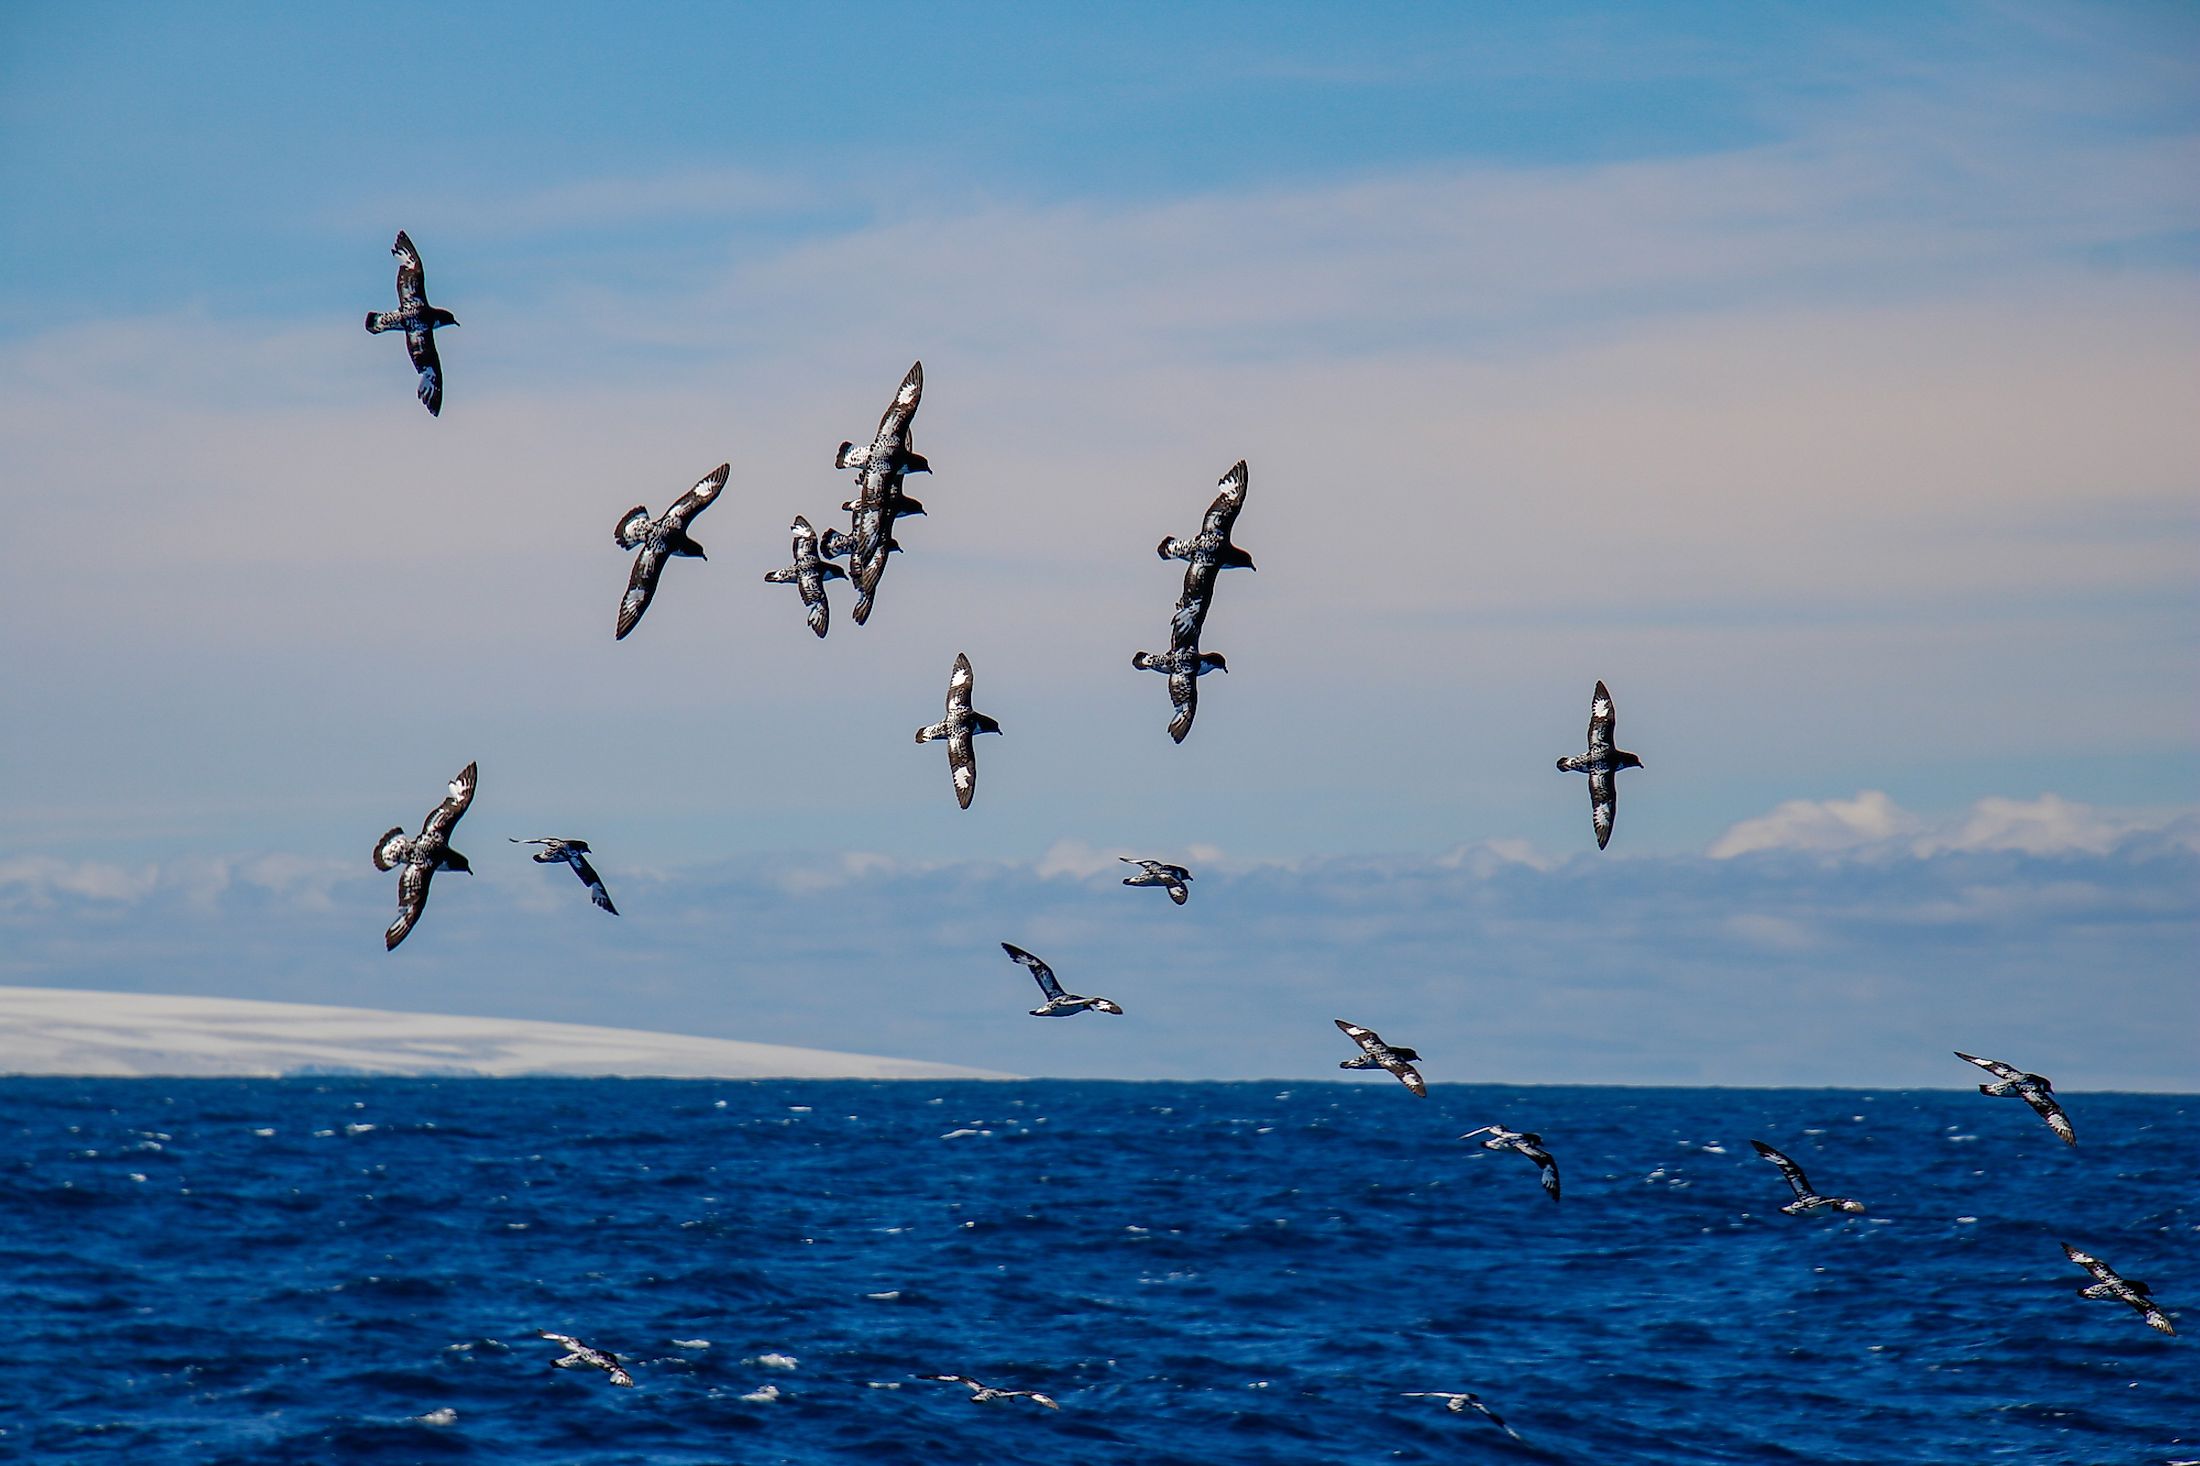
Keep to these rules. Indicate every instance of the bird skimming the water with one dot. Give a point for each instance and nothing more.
(1375, 1054)
(580, 1356)
(1527, 1143)
(987, 1395)
(2033, 1089)
(2128, 1291)
(1806, 1200)
(1460, 1402)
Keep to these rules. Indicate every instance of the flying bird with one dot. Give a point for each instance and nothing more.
(1209, 553)
(1183, 666)
(879, 499)
(1602, 764)
(1459, 1403)
(580, 1356)
(1806, 1200)
(422, 855)
(1059, 1004)
(2033, 1089)
(1527, 1143)
(958, 728)
(808, 574)
(418, 320)
(575, 854)
(1171, 878)
(2129, 1291)
(659, 539)
(987, 1395)
(1375, 1054)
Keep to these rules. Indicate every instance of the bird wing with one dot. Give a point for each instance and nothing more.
(904, 406)
(2091, 1264)
(1495, 1419)
(566, 1339)
(1184, 697)
(1223, 512)
(1994, 1067)
(1368, 1039)
(641, 584)
(445, 816)
(1177, 891)
(2156, 1319)
(420, 342)
(589, 878)
(962, 763)
(1546, 1167)
(1409, 1076)
(2045, 1106)
(1601, 719)
(1788, 1168)
(1191, 606)
(412, 899)
(412, 280)
(1036, 1398)
(1603, 804)
(619, 1376)
(959, 683)
(697, 499)
(1039, 970)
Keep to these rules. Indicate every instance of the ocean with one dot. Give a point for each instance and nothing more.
(352, 1270)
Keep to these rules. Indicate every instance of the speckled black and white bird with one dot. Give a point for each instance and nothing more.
(580, 1356)
(1183, 666)
(1375, 1054)
(1806, 1200)
(879, 500)
(808, 574)
(417, 858)
(658, 540)
(2128, 1291)
(987, 1395)
(1172, 878)
(958, 728)
(2033, 1089)
(418, 320)
(1459, 1402)
(1527, 1143)
(575, 854)
(1209, 553)
(1059, 1004)
(1602, 764)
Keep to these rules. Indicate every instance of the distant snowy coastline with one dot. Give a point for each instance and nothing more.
(66, 1031)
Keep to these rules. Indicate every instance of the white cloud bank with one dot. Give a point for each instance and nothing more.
(1872, 823)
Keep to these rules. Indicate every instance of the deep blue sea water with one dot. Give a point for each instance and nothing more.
(351, 1270)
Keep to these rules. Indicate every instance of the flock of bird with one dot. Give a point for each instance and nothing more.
(878, 503)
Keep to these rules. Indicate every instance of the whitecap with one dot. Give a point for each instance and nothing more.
(691, 1343)
(263, 1132)
(804, 1110)
(891, 1295)
(1966, 1220)
(1713, 1149)
(444, 1416)
(358, 1129)
(881, 1384)
(773, 1361)
(763, 1395)
(966, 1130)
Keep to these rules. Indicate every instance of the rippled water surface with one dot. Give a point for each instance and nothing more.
(351, 1270)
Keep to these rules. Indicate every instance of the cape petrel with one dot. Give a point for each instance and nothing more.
(658, 540)
(1806, 1200)
(1459, 1402)
(1059, 1004)
(575, 854)
(1209, 553)
(1183, 666)
(421, 856)
(1602, 764)
(987, 1395)
(1527, 1143)
(1171, 878)
(808, 574)
(580, 1356)
(2116, 1289)
(958, 728)
(878, 499)
(418, 320)
(2033, 1089)
(1375, 1054)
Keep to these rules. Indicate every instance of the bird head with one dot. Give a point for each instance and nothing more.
(1411, 1056)
(452, 860)
(1107, 1006)
(1852, 1206)
(1212, 662)
(1626, 760)
(443, 317)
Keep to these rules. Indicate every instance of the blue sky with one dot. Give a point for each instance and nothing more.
(1820, 381)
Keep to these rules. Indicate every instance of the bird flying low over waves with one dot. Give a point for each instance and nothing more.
(808, 574)
(958, 728)
(422, 855)
(1375, 1054)
(418, 320)
(658, 540)
(2129, 1291)
(574, 853)
(1529, 1144)
(1059, 1004)
(1172, 878)
(1602, 764)
(1183, 666)
(1459, 1403)
(580, 1356)
(1806, 1200)
(2033, 1089)
(987, 1395)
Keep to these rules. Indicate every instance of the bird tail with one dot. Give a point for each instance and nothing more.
(374, 324)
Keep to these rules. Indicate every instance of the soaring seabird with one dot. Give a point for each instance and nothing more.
(1529, 1144)
(1460, 1402)
(424, 854)
(987, 1395)
(1806, 1200)
(879, 500)
(1602, 764)
(575, 854)
(1059, 1004)
(1375, 1054)
(658, 540)
(1172, 878)
(580, 1356)
(1209, 553)
(2128, 1291)
(808, 574)
(2033, 1089)
(1183, 666)
(958, 728)
(418, 320)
